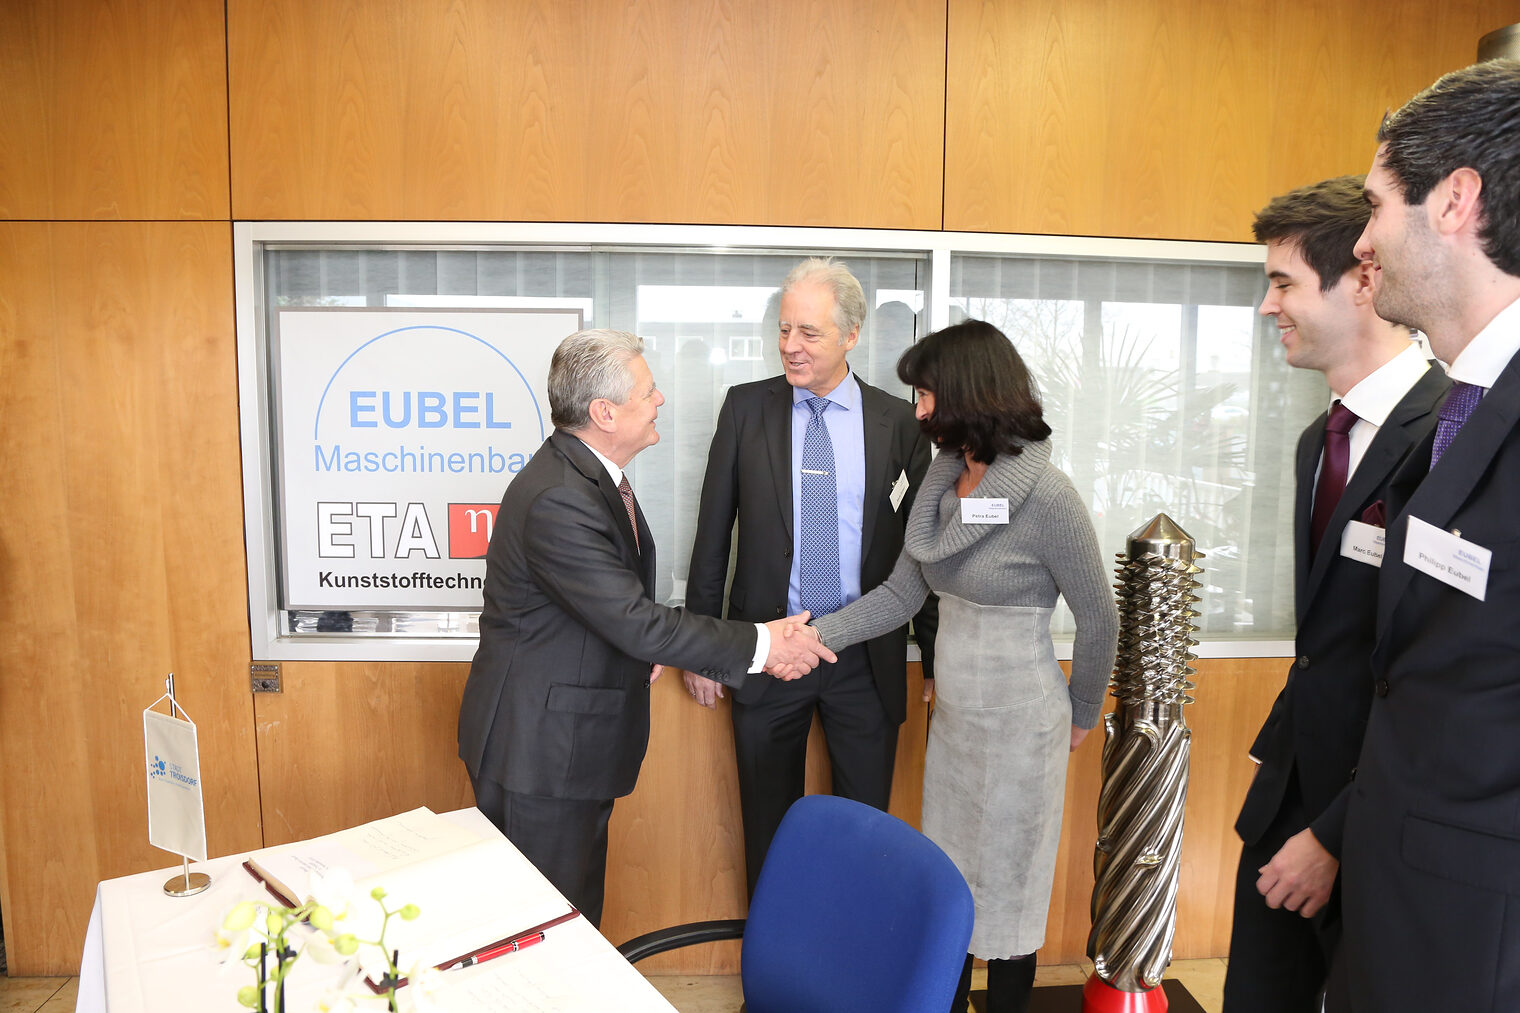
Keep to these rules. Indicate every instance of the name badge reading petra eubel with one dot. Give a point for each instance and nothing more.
(1363, 543)
(1447, 557)
(984, 511)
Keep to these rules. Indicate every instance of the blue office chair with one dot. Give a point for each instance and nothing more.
(854, 910)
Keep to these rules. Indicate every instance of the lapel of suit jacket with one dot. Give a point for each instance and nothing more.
(580, 455)
(1451, 481)
(1394, 438)
(776, 420)
(876, 423)
(1310, 446)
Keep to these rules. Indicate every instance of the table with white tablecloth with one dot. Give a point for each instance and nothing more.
(147, 952)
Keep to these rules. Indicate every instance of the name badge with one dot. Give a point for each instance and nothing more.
(984, 511)
(899, 490)
(1363, 543)
(1447, 558)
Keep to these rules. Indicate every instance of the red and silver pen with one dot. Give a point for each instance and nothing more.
(510, 946)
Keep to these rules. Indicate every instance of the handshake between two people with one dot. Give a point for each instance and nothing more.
(796, 649)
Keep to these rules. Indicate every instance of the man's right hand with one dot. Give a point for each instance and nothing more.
(793, 656)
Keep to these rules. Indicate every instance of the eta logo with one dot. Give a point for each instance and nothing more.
(339, 537)
(156, 768)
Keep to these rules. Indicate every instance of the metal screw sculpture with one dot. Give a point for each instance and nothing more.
(1145, 770)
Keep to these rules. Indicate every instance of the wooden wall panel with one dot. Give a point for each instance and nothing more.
(798, 112)
(121, 557)
(1176, 119)
(113, 110)
(346, 743)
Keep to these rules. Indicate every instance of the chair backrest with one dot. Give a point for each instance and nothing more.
(854, 910)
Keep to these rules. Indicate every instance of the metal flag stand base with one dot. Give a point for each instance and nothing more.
(187, 883)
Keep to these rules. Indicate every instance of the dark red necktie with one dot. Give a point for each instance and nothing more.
(1332, 472)
(633, 517)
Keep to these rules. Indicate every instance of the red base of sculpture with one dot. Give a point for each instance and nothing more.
(1098, 996)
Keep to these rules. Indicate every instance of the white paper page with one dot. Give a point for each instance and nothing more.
(574, 970)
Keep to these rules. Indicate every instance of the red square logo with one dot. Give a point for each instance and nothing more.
(470, 526)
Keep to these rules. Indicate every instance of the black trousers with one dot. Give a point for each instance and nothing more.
(566, 839)
(1279, 960)
(770, 742)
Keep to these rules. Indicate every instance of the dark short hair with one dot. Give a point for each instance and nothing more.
(1323, 220)
(985, 401)
(1468, 119)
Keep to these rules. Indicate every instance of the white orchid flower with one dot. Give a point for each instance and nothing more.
(235, 936)
(424, 989)
(334, 1001)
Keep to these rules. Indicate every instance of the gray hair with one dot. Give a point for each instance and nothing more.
(587, 365)
(849, 297)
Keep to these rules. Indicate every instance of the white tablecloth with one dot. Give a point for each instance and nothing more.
(147, 952)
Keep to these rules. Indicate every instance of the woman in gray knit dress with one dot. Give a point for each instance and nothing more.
(997, 532)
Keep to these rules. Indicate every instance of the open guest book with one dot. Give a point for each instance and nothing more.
(477, 894)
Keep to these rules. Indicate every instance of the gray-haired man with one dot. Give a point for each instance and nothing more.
(555, 716)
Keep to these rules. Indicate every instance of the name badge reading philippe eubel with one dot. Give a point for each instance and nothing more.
(1447, 557)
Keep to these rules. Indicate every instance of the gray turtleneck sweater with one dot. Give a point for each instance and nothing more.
(1047, 548)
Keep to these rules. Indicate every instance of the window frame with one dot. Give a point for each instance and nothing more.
(269, 642)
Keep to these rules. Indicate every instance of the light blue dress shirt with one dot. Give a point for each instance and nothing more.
(846, 427)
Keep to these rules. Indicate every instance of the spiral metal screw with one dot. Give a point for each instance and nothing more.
(1145, 760)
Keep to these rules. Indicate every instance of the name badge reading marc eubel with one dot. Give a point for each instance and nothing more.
(1363, 542)
(984, 511)
(1447, 557)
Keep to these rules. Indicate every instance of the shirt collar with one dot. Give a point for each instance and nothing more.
(612, 469)
(846, 395)
(1380, 391)
(1489, 352)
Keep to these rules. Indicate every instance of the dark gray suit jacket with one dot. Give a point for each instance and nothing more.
(1316, 724)
(1431, 860)
(557, 702)
(749, 476)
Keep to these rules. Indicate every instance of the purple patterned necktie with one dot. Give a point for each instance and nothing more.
(1458, 405)
(1332, 473)
(633, 518)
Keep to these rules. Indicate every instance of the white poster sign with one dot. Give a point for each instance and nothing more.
(176, 816)
(398, 432)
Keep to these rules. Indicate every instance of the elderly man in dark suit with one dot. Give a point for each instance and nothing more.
(555, 716)
(1384, 399)
(1431, 855)
(819, 468)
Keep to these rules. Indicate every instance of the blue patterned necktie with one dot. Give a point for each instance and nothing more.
(818, 571)
(1458, 405)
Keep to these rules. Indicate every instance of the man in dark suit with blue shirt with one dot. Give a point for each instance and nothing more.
(555, 716)
(1384, 397)
(1431, 854)
(819, 469)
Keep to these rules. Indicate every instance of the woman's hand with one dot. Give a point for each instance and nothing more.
(928, 690)
(1077, 735)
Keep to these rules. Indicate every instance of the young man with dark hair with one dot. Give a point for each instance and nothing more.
(1432, 829)
(1384, 395)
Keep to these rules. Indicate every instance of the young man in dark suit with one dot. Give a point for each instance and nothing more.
(819, 468)
(1431, 855)
(1384, 398)
(555, 716)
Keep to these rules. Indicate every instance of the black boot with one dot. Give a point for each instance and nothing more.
(1009, 983)
(963, 990)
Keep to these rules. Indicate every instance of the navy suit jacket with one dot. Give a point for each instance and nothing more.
(557, 701)
(1316, 724)
(1431, 861)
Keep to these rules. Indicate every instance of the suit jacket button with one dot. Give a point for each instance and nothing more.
(1382, 687)
(1303, 661)
(1353, 775)
(779, 612)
